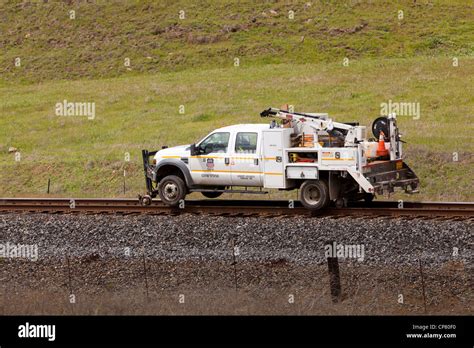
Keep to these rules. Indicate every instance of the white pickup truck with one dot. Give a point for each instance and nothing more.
(327, 161)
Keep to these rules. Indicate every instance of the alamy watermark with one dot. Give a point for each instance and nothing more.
(345, 251)
(28, 330)
(400, 109)
(22, 251)
(67, 108)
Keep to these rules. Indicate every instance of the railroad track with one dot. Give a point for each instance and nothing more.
(441, 210)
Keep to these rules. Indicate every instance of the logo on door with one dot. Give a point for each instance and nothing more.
(210, 163)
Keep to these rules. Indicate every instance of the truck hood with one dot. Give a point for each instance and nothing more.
(173, 152)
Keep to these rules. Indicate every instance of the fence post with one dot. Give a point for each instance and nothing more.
(145, 273)
(234, 262)
(334, 276)
(70, 283)
(422, 284)
(124, 187)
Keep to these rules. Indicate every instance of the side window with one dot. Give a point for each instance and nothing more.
(216, 142)
(246, 142)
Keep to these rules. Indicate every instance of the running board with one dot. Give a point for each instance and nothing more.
(230, 191)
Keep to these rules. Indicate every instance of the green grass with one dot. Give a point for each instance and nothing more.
(213, 33)
(86, 157)
(191, 62)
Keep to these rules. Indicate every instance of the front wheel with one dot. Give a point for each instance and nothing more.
(172, 189)
(314, 194)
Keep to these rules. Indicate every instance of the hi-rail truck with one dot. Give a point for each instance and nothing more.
(327, 161)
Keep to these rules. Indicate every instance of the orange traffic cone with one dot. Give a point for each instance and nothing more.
(381, 150)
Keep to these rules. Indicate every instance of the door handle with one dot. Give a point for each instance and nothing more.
(227, 161)
(255, 161)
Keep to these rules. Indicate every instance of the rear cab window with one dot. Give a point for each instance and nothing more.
(246, 142)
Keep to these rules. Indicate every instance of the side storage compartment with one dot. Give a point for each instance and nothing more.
(274, 142)
(301, 172)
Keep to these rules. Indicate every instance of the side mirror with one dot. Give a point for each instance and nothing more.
(194, 150)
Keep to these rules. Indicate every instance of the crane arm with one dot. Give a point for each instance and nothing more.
(318, 121)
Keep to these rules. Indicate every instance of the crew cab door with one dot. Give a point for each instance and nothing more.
(212, 167)
(246, 164)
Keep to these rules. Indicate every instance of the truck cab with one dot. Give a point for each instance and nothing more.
(327, 161)
(229, 156)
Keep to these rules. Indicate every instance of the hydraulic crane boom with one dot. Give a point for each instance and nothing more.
(317, 121)
(349, 133)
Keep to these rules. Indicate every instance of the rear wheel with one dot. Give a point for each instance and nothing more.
(314, 194)
(172, 189)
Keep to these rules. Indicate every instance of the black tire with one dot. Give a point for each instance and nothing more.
(171, 190)
(212, 194)
(314, 194)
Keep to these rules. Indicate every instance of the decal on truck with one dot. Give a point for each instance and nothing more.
(210, 163)
(246, 177)
(209, 175)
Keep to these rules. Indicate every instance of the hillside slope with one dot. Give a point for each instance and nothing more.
(212, 33)
(87, 157)
(190, 63)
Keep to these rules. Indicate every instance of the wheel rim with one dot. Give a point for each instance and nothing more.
(312, 195)
(170, 191)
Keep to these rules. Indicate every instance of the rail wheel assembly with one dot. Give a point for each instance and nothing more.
(145, 200)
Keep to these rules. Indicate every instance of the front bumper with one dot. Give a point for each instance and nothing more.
(149, 171)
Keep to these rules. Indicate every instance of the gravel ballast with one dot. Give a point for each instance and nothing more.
(247, 264)
(299, 240)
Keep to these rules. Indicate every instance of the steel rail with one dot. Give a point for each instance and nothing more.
(464, 210)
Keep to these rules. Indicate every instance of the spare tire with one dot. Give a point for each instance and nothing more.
(381, 124)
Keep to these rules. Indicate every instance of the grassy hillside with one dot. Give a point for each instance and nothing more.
(190, 62)
(213, 33)
(86, 157)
